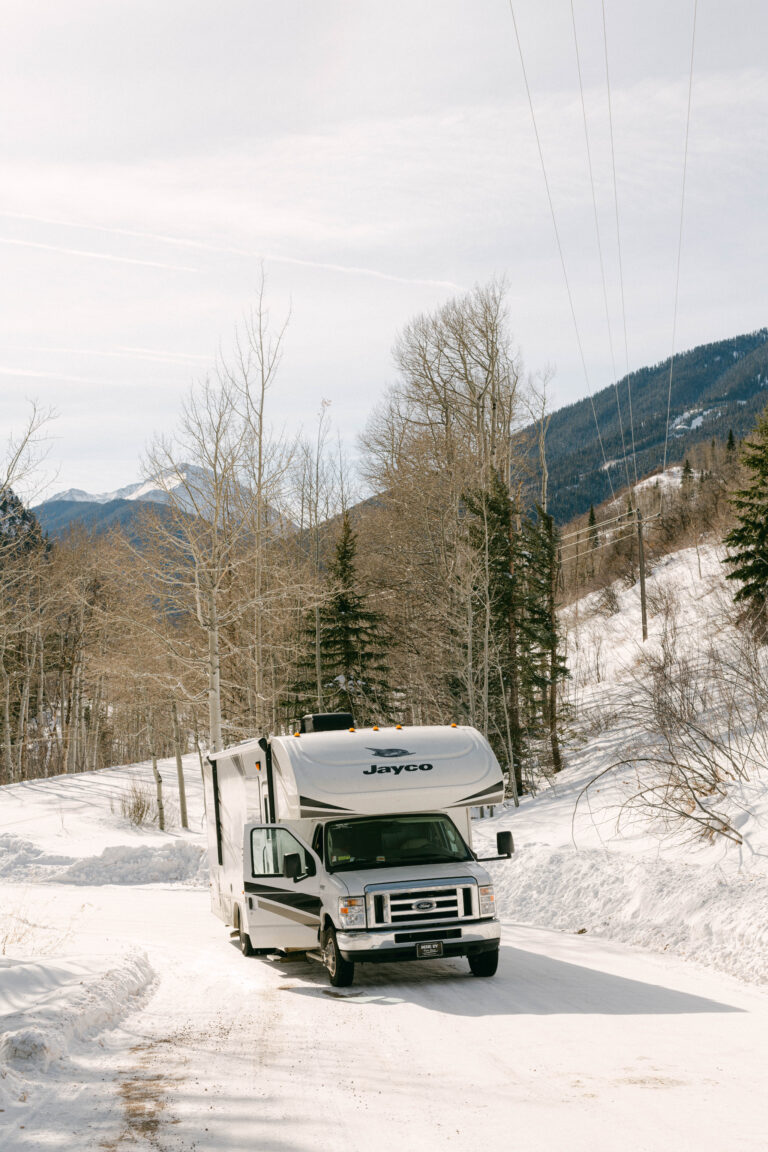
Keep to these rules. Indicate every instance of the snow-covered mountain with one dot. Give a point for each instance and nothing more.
(189, 487)
(154, 490)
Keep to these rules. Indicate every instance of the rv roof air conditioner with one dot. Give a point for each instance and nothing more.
(326, 722)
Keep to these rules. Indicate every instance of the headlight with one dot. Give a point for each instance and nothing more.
(352, 912)
(487, 900)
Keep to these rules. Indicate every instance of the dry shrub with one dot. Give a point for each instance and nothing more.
(702, 716)
(608, 601)
(137, 804)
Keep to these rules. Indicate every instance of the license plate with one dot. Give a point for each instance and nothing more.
(433, 948)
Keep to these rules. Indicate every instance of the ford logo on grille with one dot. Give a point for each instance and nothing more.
(424, 905)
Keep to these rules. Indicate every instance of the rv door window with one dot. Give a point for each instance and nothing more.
(269, 847)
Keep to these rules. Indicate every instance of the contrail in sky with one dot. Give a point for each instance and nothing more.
(95, 255)
(344, 269)
(5, 371)
(157, 355)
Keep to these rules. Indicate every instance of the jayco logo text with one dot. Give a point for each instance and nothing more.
(396, 769)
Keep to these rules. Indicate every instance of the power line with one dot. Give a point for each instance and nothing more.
(599, 246)
(596, 526)
(559, 244)
(618, 242)
(680, 232)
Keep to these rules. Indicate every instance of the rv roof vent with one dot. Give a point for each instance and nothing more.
(326, 722)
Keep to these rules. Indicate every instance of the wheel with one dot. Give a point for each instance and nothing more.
(484, 963)
(341, 972)
(245, 941)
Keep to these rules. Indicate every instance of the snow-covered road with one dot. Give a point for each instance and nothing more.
(576, 1044)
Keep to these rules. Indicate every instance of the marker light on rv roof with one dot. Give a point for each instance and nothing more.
(351, 729)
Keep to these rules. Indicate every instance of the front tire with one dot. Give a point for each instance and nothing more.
(341, 972)
(484, 963)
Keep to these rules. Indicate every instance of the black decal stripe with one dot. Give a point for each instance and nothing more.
(321, 805)
(288, 913)
(312, 813)
(302, 901)
(486, 792)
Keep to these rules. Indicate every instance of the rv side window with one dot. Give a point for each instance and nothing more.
(317, 841)
(269, 846)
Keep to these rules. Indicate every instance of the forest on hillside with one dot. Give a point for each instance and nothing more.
(709, 391)
(261, 591)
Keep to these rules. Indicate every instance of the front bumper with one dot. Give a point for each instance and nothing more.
(380, 946)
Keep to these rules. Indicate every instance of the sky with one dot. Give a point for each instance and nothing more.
(376, 159)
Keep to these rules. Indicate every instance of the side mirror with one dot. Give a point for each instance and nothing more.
(504, 844)
(292, 865)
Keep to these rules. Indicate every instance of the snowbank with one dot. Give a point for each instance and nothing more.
(705, 914)
(177, 862)
(49, 1008)
(173, 863)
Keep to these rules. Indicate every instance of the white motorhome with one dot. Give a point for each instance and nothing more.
(354, 845)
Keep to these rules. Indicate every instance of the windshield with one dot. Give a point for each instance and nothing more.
(388, 841)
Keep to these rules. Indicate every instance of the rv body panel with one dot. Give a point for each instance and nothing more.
(368, 772)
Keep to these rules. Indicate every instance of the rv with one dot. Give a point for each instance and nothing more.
(354, 845)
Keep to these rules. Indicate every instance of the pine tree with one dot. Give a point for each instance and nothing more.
(730, 444)
(353, 643)
(748, 541)
(489, 522)
(20, 530)
(515, 593)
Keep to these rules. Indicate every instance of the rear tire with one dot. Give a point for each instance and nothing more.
(245, 941)
(341, 972)
(484, 963)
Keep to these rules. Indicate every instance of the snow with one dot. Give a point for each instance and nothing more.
(630, 1009)
(195, 484)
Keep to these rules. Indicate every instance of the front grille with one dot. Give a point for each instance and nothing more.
(430, 934)
(436, 903)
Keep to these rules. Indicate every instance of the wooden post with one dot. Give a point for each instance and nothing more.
(641, 558)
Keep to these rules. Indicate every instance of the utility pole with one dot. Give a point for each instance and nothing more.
(641, 558)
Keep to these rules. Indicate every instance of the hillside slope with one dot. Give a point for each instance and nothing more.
(607, 857)
(715, 387)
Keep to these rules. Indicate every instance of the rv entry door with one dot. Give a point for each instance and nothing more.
(282, 880)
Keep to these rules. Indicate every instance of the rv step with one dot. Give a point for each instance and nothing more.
(316, 956)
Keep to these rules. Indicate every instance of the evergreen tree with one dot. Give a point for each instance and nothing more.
(519, 665)
(489, 521)
(352, 645)
(730, 444)
(20, 530)
(748, 541)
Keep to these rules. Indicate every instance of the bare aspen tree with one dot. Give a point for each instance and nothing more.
(251, 371)
(446, 429)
